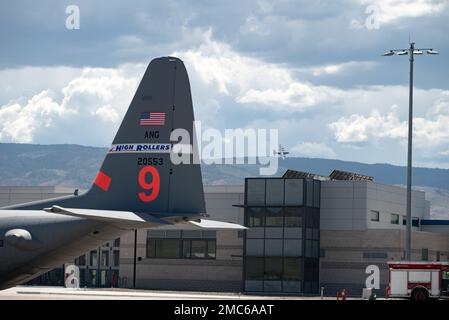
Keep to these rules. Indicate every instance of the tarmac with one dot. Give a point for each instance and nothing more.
(61, 293)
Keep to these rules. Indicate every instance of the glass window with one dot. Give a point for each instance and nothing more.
(156, 233)
(415, 222)
(293, 248)
(116, 258)
(309, 193)
(404, 221)
(273, 269)
(254, 247)
(104, 258)
(309, 233)
(311, 271)
(93, 278)
(117, 242)
(173, 234)
(1, 243)
(425, 254)
(93, 258)
(292, 233)
(198, 249)
(274, 217)
(103, 278)
(192, 234)
(275, 192)
(308, 249)
(315, 218)
(294, 192)
(374, 215)
(274, 232)
(316, 193)
(151, 248)
(292, 221)
(83, 277)
(293, 217)
(312, 218)
(81, 260)
(255, 192)
(273, 247)
(202, 245)
(394, 218)
(292, 269)
(186, 250)
(254, 268)
(255, 217)
(211, 234)
(315, 249)
(211, 249)
(316, 234)
(167, 248)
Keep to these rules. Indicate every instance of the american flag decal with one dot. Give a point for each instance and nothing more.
(152, 119)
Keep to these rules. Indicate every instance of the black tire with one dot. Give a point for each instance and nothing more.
(420, 294)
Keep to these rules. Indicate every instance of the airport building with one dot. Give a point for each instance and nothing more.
(305, 232)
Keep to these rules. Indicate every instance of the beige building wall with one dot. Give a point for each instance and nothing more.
(346, 254)
(16, 195)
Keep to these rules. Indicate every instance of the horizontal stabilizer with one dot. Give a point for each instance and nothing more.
(217, 225)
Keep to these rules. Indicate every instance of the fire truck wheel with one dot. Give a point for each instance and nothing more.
(420, 294)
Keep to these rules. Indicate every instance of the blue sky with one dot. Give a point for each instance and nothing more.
(312, 69)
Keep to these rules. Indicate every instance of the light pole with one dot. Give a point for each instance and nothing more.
(411, 52)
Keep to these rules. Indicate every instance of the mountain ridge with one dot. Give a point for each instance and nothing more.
(71, 165)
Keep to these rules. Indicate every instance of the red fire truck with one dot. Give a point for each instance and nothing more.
(418, 280)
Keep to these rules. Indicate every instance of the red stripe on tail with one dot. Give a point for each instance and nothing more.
(103, 181)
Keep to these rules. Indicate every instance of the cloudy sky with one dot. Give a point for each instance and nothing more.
(312, 69)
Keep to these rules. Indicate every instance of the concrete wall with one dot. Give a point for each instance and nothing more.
(346, 205)
(15, 195)
(347, 253)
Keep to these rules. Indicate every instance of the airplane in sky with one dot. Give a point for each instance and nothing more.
(281, 152)
(137, 186)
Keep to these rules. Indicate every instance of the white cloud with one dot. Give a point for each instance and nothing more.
(358, 128)
(314, 150)
(429, 132)
(340, 68)
(92, 103)
(250, 80)
(391, 11)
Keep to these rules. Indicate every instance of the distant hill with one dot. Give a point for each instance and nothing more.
(76, 166)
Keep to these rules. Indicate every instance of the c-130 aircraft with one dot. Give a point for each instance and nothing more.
(137, 186)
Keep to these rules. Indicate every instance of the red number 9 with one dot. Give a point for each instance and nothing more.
(154, 185)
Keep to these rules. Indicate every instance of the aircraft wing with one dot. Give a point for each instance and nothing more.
(140, 220)
(217, 225)
(112, 216)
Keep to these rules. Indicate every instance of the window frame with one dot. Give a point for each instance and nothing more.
(371, 215)
(391, 218)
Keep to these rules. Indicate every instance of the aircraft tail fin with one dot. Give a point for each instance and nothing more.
(138, 174)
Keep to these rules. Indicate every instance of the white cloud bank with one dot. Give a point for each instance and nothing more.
(392, 11)
(82, 112)
(250, 80)
(430, 131)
